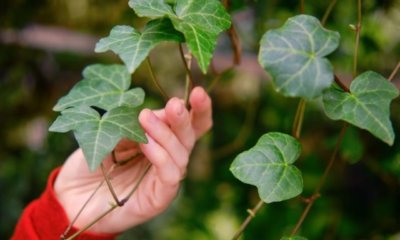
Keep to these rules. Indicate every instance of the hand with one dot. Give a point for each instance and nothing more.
(171, 134)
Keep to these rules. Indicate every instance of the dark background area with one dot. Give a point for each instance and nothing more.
(45, 44)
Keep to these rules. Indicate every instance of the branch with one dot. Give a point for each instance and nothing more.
(187, 62)
(252, 214)
(393, 74)
(358, 32)
(322, 180)
(155, 80)
(298, 119)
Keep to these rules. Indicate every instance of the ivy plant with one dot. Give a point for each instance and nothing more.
(102, 108)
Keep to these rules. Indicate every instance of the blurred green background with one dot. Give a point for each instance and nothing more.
(45, 44)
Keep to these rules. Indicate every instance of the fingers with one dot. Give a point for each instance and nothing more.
(201, 111)
(164, 149)
(180, 122)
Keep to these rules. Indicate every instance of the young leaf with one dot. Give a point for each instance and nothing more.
(132, 46)
(268, 166)
(103, 86)
(200, 21)
(97, 136)
(294, 55)
(367, 106)
(151, 8)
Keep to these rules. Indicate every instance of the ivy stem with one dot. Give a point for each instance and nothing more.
(155, 80)
(113, 206)
(65, 233)
(358, 33)
(341, 84)
(301, 6)
(187, 62)
(298, 119)
(252, 214)
(393, 74)
(234, 38)
(73, 236)
(328, 12)
(316, 194)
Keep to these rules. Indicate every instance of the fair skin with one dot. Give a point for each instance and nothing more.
(171, 134)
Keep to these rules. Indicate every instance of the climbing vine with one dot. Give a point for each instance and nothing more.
(102, 108)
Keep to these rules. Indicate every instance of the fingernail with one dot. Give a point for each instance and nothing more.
(179, 109)
(202, 95)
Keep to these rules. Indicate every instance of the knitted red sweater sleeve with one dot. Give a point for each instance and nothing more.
(44, 218)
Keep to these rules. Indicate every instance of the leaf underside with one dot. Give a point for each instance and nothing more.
(105, 87)
(294, 55)
(268, 166)
(367, 106)
(96, 135)
(200, 21)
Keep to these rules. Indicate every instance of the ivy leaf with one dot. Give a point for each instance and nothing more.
(294, 238)
(294, 55)
(151, 8)
(103, 86)
(367, 106)
(200, 21)
(97, 136)
(268, 166)
(132, 46)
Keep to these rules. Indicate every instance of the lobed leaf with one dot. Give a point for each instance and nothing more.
(97, 136)
(268, 166)
(103, 86)
(367, 106)
(132, 46)
(200, 21)
(294, 55)
(151, 8)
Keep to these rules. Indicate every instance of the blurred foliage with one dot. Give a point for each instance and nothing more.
(362, 195)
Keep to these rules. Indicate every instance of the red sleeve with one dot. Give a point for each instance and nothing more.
(45, 218)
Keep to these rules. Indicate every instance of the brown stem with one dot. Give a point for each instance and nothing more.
(393, 74)
(358, 33)
(155, 80)
(328, 12)
(341, 84)
(113, 206)
(298, 119)
(322, 180)
(85, 204)
(73, 236)
(187, 62)
(301, 6)
(236, 44)
(252, 213)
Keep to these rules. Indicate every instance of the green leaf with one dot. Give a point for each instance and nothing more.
(294, 55)
(103, 86)
(200, 21)
(151, 8)
(132, 46)
(367, 106)
(294, 238)
(268, 166)
(97, 136)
